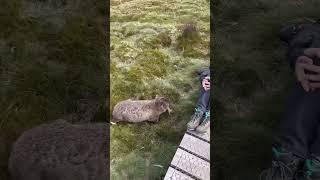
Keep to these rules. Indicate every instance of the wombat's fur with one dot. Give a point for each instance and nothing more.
(60, 151)
(140, 110)
(300, 37)
(84, 111)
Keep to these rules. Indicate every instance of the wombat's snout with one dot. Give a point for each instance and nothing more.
(163, 104)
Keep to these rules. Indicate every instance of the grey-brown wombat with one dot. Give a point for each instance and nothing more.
(60, 151)
(140, 110)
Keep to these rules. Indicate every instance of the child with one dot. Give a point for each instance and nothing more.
(200, 120)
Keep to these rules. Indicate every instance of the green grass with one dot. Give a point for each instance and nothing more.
(149, 58)
(51, 56)
(252, 81)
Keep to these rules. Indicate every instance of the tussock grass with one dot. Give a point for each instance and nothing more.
(253, 81)
(146, 62)
(51, 56)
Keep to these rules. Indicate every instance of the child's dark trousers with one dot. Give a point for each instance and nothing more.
(299, 131)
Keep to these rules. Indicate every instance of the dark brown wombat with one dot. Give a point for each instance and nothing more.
(299, 37)
(140, 110)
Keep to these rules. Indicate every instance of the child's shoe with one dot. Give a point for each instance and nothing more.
(285, 166)
(195, 119)
(311, 169)
(205, 124)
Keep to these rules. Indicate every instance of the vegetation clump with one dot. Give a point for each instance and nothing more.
(189, 37)
(164, 39)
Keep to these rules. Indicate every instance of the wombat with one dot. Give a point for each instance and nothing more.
(140, 110)
(300, 37)
(60, 151)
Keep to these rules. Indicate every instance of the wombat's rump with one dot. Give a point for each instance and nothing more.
(60, 151)
(140, 110)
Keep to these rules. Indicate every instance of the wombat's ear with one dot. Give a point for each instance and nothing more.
(287, 33)
(166, 100)
(162, 105)
(158, 102)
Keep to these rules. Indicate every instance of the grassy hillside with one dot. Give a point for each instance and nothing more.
(156, 48)
(253, 79)
(52, 54)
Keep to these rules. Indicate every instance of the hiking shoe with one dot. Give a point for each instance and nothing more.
(284, 166)
(195, 119)
(205, 124)
(311, 170)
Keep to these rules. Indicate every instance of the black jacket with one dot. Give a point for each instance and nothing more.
(204, 72)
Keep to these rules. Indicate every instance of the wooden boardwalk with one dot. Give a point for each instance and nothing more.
(192, 158)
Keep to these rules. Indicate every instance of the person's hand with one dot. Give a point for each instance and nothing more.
(313, 79)
(300, 71)
(206, 83)
(312, 52)
(305, 63)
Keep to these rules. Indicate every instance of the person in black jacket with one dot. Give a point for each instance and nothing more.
(200, 120)
(296, 151)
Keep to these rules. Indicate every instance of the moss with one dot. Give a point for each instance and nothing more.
(193, 53)
(156, 18)
(128, 139)
(130, 165)
(79, 42)
(121, 91)
(124, 52)
(172, 94)
(128, 31)
(168, 134)
(113, 68)
(149, 64)
(248, 82)
(148, 42)
(154, 41)
(181, 84)
(127, 18)
(9, 17)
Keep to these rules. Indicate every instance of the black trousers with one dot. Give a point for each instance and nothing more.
(299, 131)
(204, 100)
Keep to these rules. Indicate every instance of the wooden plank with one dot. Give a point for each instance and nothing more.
(203, 136)
(173, 174)
(191, 164)
(196, 146)
(192, 158)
